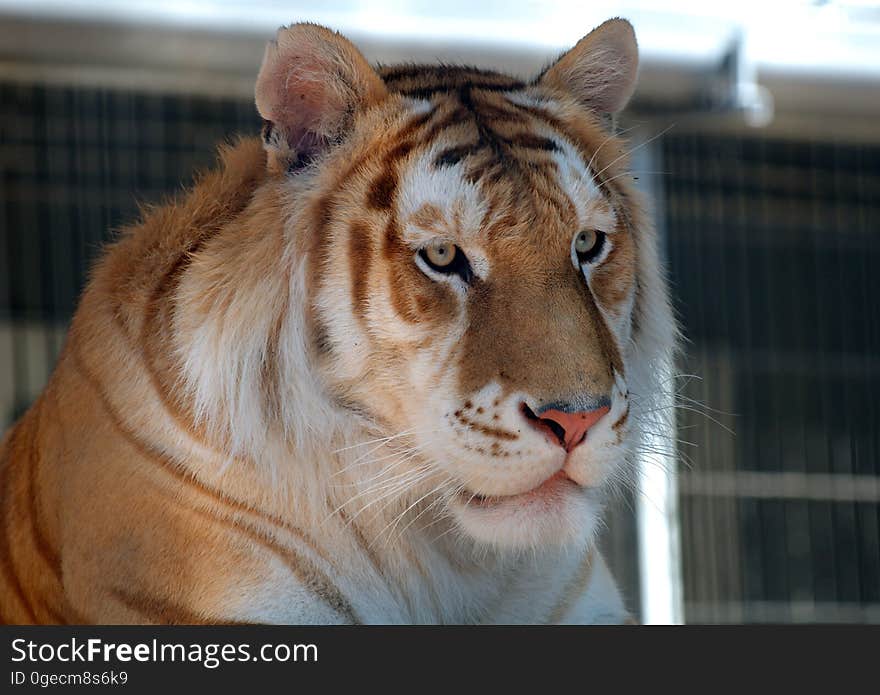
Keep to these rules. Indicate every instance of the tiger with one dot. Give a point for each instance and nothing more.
(387, 362)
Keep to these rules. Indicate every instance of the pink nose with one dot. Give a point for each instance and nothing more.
(566, 429)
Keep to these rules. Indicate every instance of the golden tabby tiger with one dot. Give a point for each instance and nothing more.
(379, 366)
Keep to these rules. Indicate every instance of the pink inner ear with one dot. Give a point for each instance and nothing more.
(310, 84)
(600, 71)
(299, 95)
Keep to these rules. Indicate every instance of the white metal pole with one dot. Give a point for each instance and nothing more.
(660, 572)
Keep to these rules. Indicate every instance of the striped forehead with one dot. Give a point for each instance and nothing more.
(438, 196)
(439, 202)
(576, 180)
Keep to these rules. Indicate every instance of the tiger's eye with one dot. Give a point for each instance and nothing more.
(585, 241)
(440, 254)
(447, 259)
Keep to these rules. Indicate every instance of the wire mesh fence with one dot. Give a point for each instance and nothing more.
(772, 248)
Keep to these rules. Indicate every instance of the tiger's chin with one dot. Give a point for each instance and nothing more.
(559, 512)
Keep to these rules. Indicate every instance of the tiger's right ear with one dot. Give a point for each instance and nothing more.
(310, 85)
(600, 71)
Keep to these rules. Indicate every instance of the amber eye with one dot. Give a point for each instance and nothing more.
(588, 244)
(440, 255)
(446, 258)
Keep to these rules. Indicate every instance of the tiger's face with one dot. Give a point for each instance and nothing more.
(473, 280)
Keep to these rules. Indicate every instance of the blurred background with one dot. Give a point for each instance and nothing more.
(756, 135)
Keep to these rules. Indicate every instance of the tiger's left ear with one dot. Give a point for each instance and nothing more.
(600, 71)
(311, 84)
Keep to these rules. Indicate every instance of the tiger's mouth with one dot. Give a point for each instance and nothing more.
(547, 492)
(558, 510)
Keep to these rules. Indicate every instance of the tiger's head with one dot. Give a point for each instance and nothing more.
(480, 281)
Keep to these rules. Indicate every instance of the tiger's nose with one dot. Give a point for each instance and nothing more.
(563, 423)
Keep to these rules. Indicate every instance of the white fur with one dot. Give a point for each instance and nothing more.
(466, 559)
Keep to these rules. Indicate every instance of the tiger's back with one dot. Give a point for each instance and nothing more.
(78, 470)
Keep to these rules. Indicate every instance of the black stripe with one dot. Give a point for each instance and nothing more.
(430, 90)
(448, 73)
(165, 611)
(454, 155)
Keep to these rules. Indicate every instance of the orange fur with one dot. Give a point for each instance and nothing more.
(195, 453)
